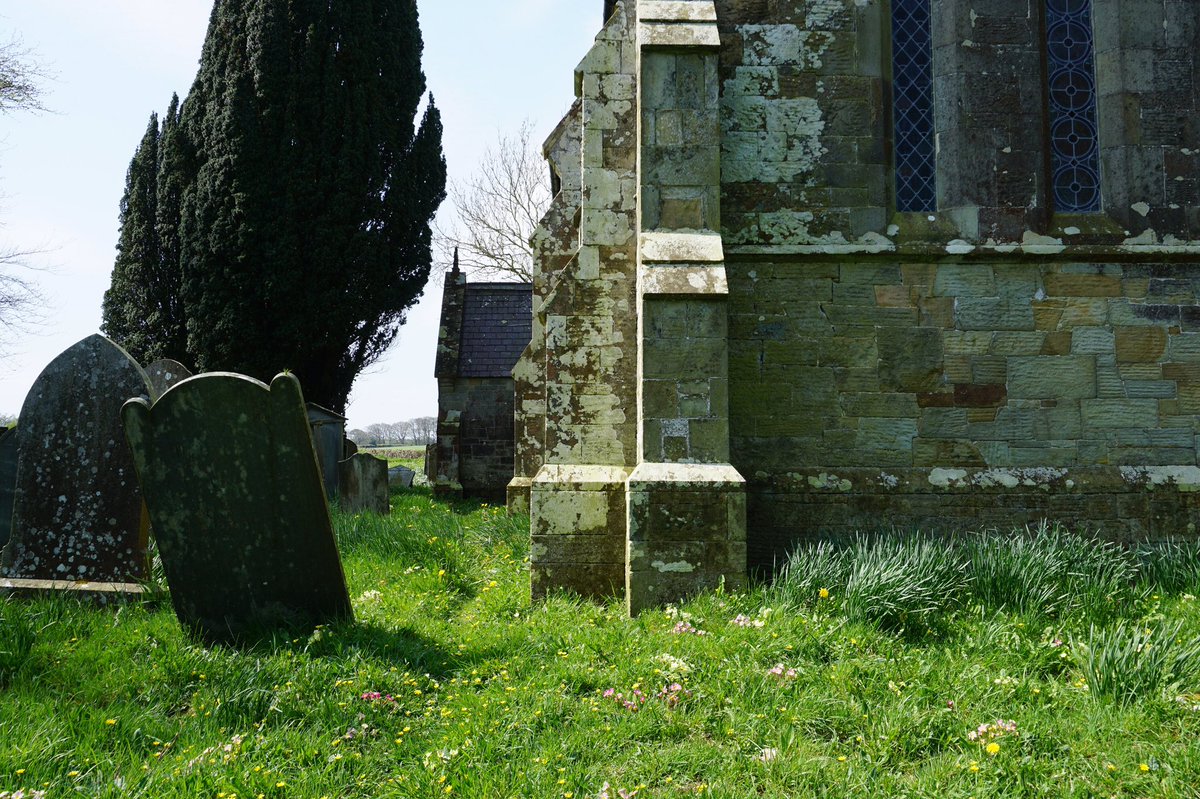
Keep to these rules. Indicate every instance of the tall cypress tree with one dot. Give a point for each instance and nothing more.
(142, 308)
(292, 195)
(305, 233)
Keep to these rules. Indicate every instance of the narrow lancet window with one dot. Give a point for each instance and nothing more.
(912, 106)
(1074, 138)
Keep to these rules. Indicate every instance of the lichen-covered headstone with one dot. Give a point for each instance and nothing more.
(364, 484)
(237, 506)
(77, 513)
(8, 480)
(165, 373)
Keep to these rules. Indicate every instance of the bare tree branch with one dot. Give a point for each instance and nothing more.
(498, 209)
(20, 300)
(21, 76)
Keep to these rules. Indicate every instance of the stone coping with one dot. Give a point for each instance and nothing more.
(974, 480)
(685, 476)
(677, 11)
(696, 247)
(579, 477)
(968, 252)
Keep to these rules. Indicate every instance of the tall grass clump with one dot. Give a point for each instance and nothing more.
(815, 567)
(903, 583)
(16, 639)
(1171, 567)
(1129, 661)
(1049, 570)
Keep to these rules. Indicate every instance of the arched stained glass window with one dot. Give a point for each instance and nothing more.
(1074, 135)
(912, 106)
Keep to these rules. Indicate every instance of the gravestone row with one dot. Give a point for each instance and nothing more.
(231, 480)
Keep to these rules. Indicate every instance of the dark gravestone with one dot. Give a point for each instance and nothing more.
(401, 476)
(235, 499)
(349, 448)
(364, 484)
(165, 373)
(8, 480)
(78, 513)
(328, 433)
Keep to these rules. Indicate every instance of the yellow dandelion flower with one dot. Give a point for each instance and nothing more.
(823, 593)
(993, 748)
(1143, 767)
(110, 722)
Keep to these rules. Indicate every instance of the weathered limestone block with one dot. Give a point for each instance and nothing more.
(687, 532)
(578, 530)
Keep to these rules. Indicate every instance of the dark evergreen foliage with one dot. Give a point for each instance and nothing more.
(297, 190)
(141, 307)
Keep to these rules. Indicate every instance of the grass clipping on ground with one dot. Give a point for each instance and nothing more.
(1051, 666)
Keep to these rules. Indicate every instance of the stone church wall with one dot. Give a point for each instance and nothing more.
(743, 342)
(991, 362)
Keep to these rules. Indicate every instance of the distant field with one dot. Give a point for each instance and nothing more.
(413, 457)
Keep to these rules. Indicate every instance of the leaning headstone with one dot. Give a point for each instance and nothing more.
(8, 480)
(401, 475)
(364, 484)
(78, 513)
(165, 373)
(236, 502)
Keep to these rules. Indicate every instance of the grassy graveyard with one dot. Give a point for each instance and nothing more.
(993, 668)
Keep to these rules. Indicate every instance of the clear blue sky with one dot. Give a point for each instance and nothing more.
(489, 64)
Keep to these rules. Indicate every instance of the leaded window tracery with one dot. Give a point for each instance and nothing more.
(912, 106)
(1074, 132)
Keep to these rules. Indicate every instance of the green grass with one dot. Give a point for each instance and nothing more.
(450, 684)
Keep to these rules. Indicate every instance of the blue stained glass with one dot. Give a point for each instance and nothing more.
(912, 106)
(1074, 134)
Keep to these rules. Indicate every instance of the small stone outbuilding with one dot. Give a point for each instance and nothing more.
(484, 328)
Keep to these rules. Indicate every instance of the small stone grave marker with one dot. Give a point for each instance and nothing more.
(235, 497)
(364, 484)
(401, 475)
(165, 373)
(78, 512)
(8, 480)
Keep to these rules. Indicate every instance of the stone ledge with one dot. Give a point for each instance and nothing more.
(678, 34)
(677, 11)
(681, 248)
(579, 477)
(102, 593)
(684, 476)
(974, 252)
(973, 480)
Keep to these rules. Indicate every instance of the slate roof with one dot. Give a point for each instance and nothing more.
(497, 326)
